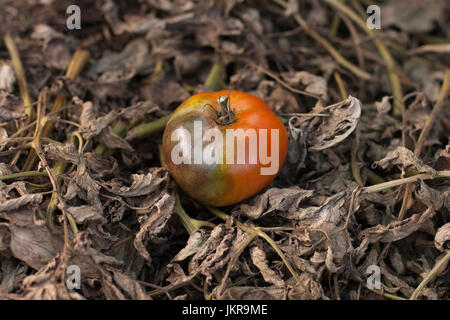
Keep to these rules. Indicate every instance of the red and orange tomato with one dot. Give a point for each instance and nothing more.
(224, 179)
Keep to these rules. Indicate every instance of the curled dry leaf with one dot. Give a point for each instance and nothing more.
(333, 129)
(16, 203)
(194, 243)
(155, 56)
(67, 152)
(329, 220)
(260, 261)
(284, 200)
(91, 126)
(141, 184)
(138, 110)
(431, 197)
(216, 252)
(12, 272)
(442, 236)
(83, 186)
(442, 157)
(402, 156)
(396, 230)
(118, 286)
(280, 100)
(153, 224)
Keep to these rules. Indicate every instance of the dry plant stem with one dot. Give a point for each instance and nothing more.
(335, 23)
(36, 144)
(372, 177)
(21, 81)
(149, 128)
(399, 182)
(436, 110)
(190, 224)
(19, 132)
(340, 83)
(430, 276)
(406, 203)
(355, 169)
(59, 169)
(336, 286)
(328, 46)
(383, 51)
(215, 77)
(20, 75)
(24, 174)
(260, 233)
(387, 295)
(76, 64)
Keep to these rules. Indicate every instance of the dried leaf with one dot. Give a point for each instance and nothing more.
(141, 184)
(337, 127)
(396, 230)
(34, 245)
(260, 261)
(273, 200)
(313, 84)
(404, 157)
(66, 153)
(153, 224)
(194, 243)
(442, 236)
(431, 197)
(16, 203)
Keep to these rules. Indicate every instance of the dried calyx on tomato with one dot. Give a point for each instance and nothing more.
(224, 147)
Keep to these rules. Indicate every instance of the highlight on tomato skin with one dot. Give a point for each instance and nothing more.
(224, 147)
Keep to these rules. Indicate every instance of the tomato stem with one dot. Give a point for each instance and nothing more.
(226, 115)
(148, 128)
(190, 224)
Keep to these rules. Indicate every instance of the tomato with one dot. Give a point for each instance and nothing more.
(224, 147)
